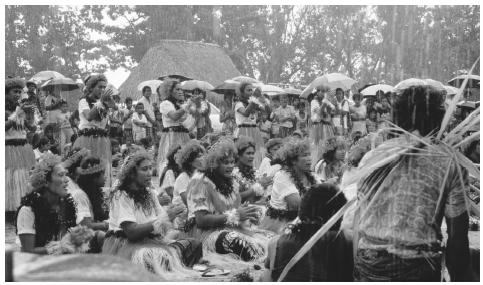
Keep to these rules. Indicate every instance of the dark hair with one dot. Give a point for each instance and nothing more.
(115, 96)
(114, 142)
(145, 88)
(145, 141)
(171, 164)
(139, 104)
(93, 191)
(13, 83)
(42, 141)
(243, 86)
(276, 99)
(52, 127)
(419, 108)
(93, 80)
(317, 206)
(337, 89)
(357, 96)
(128, 99)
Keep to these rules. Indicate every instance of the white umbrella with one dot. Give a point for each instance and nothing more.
(410, 82)
(435, 84)
(196, 84)
(272, 90)
(245, 79)
(153, 84)
(332, 80)
(473, 80)
(46, 75)
(372, 90)
(450, 90)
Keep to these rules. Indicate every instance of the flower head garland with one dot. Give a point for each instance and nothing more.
(334, 143)
(290, 151)
(130, 162)
(244, 142)
(187, 152)
(75, 156)
(219, 151)
(38, 176)
(92, 168)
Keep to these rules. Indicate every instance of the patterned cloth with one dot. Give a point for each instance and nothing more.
(400, 218)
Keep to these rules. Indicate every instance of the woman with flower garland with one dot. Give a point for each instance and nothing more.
(71, 163)
(331, 167)
(173, 114)
(246, 110)
(93, 111)
(251, 188)
(330, 259)
(140, 229)
(19, 155)
(216, 215)
(189, 159)
(48, 211)
(289, 184)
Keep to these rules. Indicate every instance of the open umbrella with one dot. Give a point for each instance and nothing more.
(228, 85)
(410, 82)
(332, 80)
(272, 90)
(46, 75)
(473, 81)
(62, 84)
(181, 78)
(435, 84)
(292, 91)
(153, 84)
(243, 79)
(196, 84)
(372, 90)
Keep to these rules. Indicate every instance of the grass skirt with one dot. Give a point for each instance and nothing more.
(100, 147)
(256, 135)
(167, 140)
(18, 162)
(155, 255)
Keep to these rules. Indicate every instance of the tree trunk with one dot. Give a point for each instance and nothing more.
(216, 25)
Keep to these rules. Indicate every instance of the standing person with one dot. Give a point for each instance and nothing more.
(93, 120)
(330, 259)
(148, 110)
(215, 211)
(174, 133)
(63, 129)
(201, 112)
(275, 125)
(115, 119)
(358, 115)
(285, 116)
(322, 127)
(301, 118)
(289, 184)
(128, 137)
(341, 118)
(265, 126)
(227, 115)
(47, 212)
(140, 229)
(19, 155)
(246, 120)
(139, 123)
(398, 226)
(385, 113)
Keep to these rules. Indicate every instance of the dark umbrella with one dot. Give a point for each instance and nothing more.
(62, 84)
(181, 78)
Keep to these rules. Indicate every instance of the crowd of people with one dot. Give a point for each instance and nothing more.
(151, 181)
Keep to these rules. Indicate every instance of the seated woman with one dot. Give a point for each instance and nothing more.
(48, 211)
(215, 212)
(189, 160)
(266, 168)
(331, 167)
(289, 184)
(330, 259)
(168, 176)
(139, 228)
(251, 188)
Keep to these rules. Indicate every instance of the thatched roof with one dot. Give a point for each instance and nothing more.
(201, 61)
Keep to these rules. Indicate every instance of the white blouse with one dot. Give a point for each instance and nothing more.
(240, 119)
(165, 107)
(283, 186)
(180, 186)
(86, 124)
(123, 209)
(82, 203)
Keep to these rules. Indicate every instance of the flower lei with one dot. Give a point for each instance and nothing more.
(298, 182)
(223, 185)
(245, 177)
(256, 100)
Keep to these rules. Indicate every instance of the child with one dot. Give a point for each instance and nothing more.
(301, 117)
(273, 117)
(371, 122)
(42, 148)
(115, 120)
(265, 127)
(66, 130)
(127, 122)
(52, 132)
(140, 123)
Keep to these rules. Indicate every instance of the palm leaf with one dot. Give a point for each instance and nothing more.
(472, 119)
(468, 139)
(452, 105)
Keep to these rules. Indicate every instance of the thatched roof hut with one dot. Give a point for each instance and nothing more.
(201, 61)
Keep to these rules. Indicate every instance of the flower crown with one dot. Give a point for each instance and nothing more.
(334, 143)
(185, 152)
(75, 156)
(38, 175)
(130, 162)
(290, 150)
(92, 169)
(223, 148)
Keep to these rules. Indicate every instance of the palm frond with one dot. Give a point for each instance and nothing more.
(468, 139)
(452, 105)
(472, 119)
